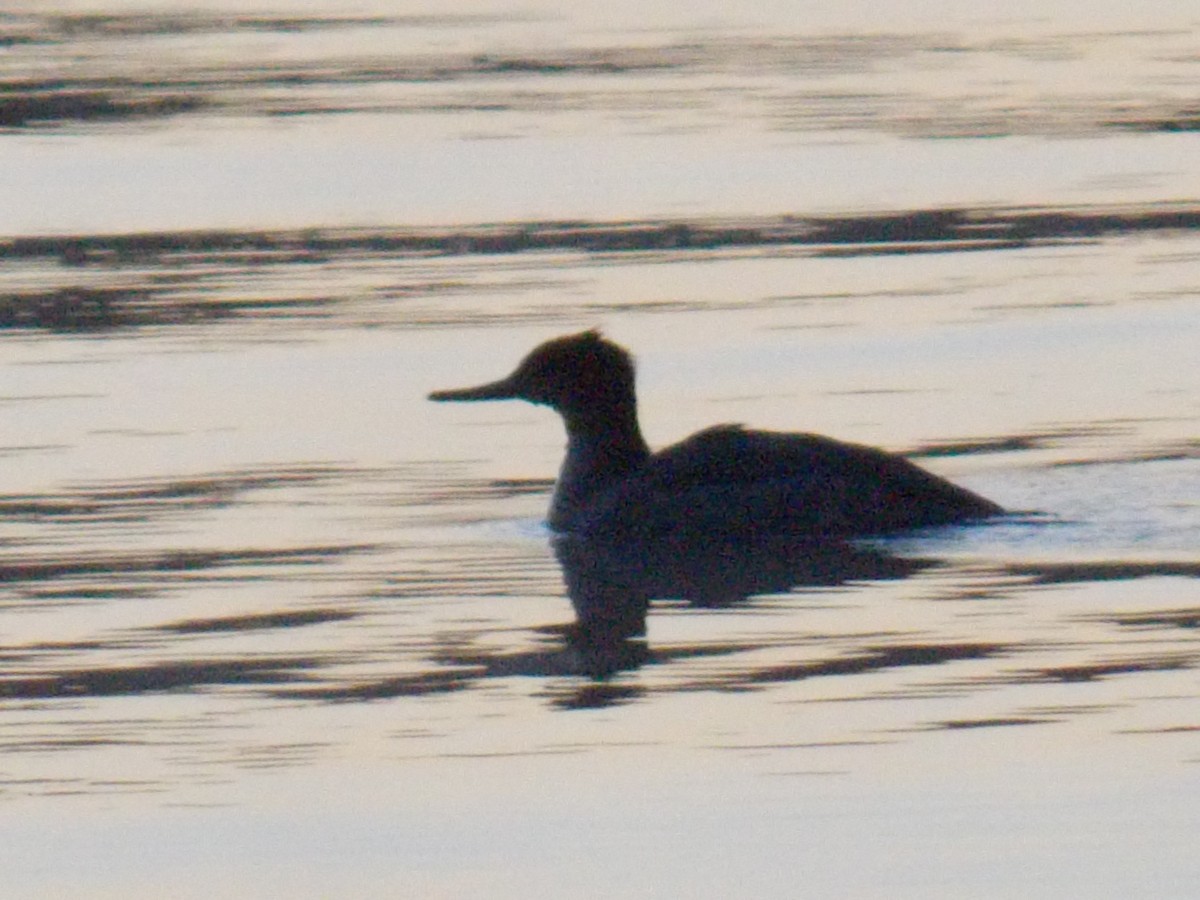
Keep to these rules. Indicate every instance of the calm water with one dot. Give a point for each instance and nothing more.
(273, 623)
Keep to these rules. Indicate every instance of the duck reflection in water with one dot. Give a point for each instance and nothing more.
(723, 514)
(611, 582)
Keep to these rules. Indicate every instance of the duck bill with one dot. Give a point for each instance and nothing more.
(504, 389)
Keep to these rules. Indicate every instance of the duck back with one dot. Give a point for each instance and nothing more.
(729, 479)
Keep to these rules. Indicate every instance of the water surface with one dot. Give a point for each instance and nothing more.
(272, 622)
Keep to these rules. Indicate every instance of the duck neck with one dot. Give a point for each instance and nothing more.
(604, 446)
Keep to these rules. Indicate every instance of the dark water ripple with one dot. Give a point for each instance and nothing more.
(103, 283)
(984, 228)
(112, 68)
(154, 499)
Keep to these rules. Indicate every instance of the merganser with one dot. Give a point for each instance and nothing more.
(726, 479)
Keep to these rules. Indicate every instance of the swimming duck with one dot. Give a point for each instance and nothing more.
(726, 479)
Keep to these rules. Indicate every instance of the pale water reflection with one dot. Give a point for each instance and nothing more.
(269, 623)
(245, 567)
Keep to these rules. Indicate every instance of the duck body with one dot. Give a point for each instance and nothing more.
(729, 479)
(724, 480)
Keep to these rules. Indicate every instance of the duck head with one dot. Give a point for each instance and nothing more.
(581, 376)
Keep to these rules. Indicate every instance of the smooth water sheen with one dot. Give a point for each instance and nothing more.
(271, 623)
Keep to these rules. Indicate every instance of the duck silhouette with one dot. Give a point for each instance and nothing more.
(726, 479)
